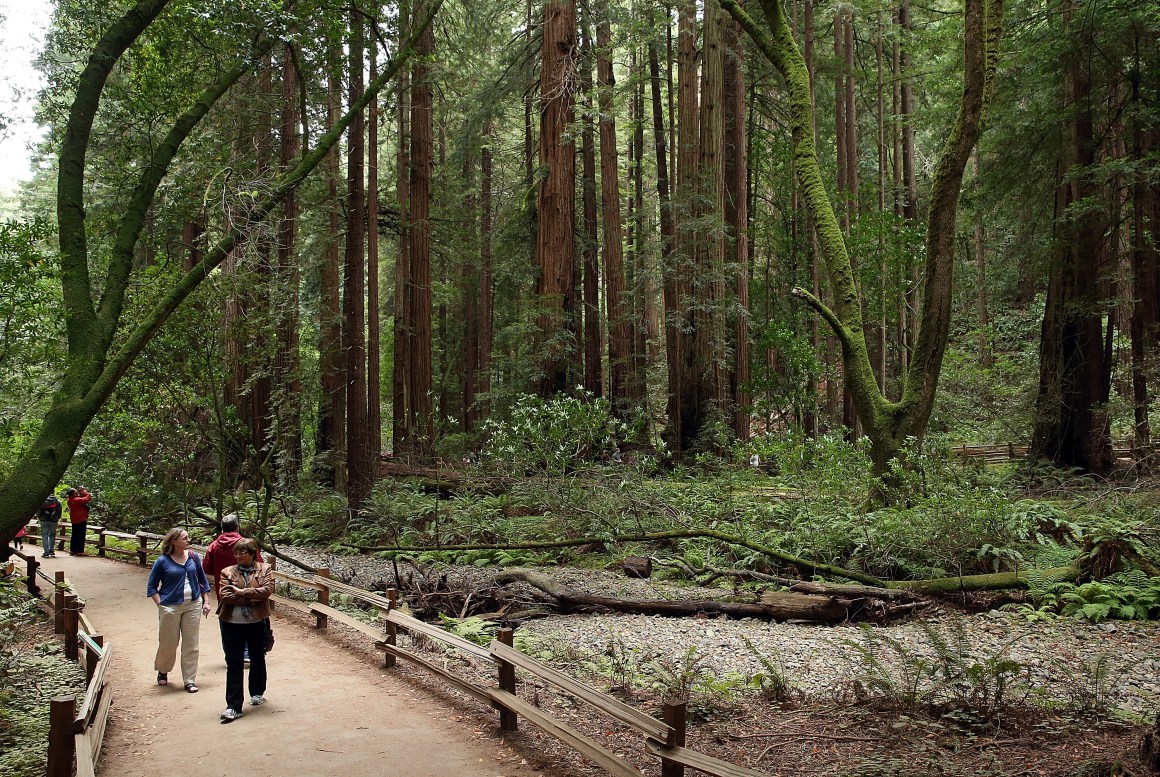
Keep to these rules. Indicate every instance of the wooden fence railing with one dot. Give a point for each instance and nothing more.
(77, 731)
(663, 738)
(1002, 452)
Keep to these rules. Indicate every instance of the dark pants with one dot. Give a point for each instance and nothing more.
(236, 637)
(76, 543)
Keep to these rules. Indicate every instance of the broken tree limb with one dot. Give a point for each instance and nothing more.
(804, 566)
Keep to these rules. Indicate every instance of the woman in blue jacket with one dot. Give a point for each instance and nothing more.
(179, 588)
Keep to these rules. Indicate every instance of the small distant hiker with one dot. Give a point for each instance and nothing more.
(49, 518)
(78, 515)
(20, 535)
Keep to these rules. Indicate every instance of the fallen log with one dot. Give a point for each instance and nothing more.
(996, 581)
(772, 605)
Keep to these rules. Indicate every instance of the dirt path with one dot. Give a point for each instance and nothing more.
(327, 712)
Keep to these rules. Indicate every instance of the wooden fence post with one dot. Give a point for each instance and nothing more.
(101, 543)
(58, 602)
(142, 554)
(320, 620)
(675, 708)
(33, 565)
(60, 736)
(92, 656)
(389, 659)
(507, 682)
(71, 651)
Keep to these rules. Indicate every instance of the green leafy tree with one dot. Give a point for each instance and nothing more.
(100, 268)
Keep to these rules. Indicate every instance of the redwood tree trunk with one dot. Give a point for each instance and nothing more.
(620, 340)
(556, 201)
(737, 222)
(418, 400)
(331, 439)
(593, 364)
(1072, 427)
(358, 464)
(286, 367)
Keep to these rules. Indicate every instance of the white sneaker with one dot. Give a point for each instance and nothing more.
(230, 715)
(256, 701)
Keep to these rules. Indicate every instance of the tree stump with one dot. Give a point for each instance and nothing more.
(637, 566)
(1150, 748)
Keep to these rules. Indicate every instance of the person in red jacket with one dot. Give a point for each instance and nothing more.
(78, 515)
(220, 553)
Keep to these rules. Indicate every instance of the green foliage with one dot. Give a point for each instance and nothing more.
(1128, 595)
(30, 331)
(551, 436)
(31, 674)
(473, 629)
(945, 672)
(1091, 684)
(775, 682)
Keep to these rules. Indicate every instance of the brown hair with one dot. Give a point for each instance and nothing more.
(246, 544)
(167, 540)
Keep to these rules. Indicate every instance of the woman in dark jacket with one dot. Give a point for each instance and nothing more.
(243, 607)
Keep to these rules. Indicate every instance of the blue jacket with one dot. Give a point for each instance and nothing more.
(167, 575)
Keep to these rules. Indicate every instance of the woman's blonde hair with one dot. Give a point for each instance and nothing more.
(167, 540)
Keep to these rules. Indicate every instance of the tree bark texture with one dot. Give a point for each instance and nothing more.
(331, 440)
(287, 373)
(620, 339)
(556, 200)
(358, 465)
(737, 226)
(418, 410)
(590, 240)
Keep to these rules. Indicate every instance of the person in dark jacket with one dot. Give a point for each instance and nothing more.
(78, 515)
(49, 518)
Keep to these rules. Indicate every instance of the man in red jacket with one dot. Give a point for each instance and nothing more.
(221, 552)
(78, 516)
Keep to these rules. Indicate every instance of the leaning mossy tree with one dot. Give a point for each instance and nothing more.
(103, 341)
(887, 423)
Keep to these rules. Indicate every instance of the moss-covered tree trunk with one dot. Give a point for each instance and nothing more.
(888, 424)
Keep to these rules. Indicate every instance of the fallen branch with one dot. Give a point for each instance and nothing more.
(804, 566)
(992, 582)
